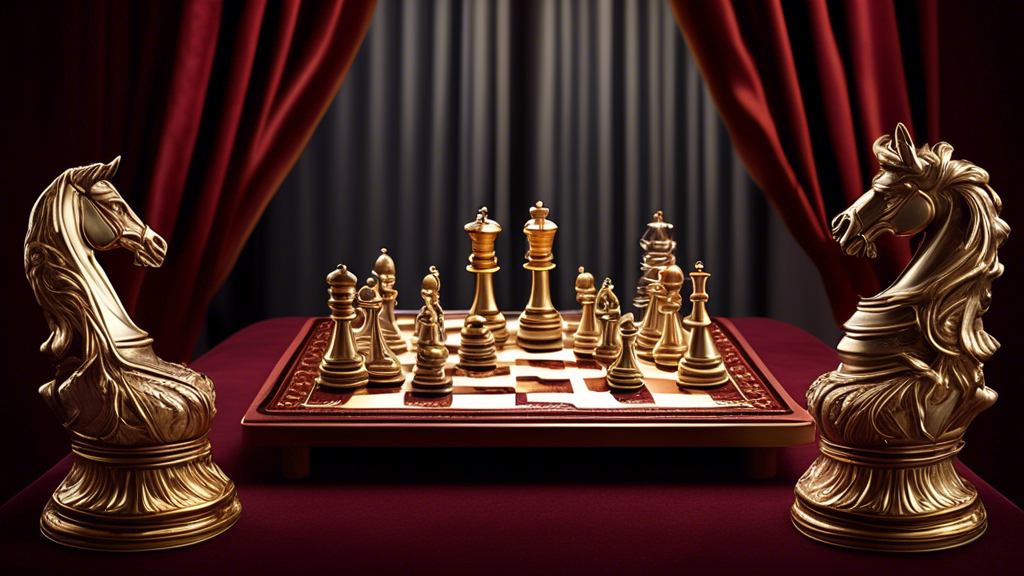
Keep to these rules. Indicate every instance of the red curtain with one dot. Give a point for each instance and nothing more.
(804, 88)
(209, 104)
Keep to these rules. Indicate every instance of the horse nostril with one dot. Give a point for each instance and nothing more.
(840, 224)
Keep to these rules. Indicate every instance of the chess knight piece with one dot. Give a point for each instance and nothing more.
(431, 353)
(701, 365)
(384, 271)
(624, 373)
(142, 475)
(588, 334)
(382, 366)
(658, 245)
(484, 263)
(892, 417)
(540, 325)
(608, 313)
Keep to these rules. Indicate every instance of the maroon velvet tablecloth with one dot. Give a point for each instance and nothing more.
(502, 510)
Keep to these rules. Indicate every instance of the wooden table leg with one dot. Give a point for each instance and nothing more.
(760, 463)
(294, 462)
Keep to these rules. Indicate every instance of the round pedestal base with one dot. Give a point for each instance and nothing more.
(141, 499)
(904, 499)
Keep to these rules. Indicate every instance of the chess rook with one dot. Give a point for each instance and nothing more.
(658, 244)
(483, 262)
(653, 324)
(588, 334)
(476, 345)
(540, 325)
(624, 373)
(672, 345)
(382, 365)
(608, 313)
(342, 366)
(384, 271)
(701, 365)
(431, 354)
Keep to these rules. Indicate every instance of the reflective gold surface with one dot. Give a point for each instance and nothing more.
(382, 365)
(342, 367)
(701, 366)
(483, 262)
(672, 344)
(658, 244)
(142, 475)
(893, 415)
(540, 325)
(653, 323)
(384, 271)
(608, 314)
(588, 333)
(624, 373)
(429, 376)
(476, 345)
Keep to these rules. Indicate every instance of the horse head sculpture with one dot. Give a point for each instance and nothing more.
(138, 424)
(893, 415)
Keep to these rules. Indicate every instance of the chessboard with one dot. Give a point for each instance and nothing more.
(530, 399)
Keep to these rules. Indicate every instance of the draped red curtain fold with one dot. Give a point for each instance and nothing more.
(804, 88)
(224, 98)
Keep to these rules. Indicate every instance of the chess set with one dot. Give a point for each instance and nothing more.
(371, 376)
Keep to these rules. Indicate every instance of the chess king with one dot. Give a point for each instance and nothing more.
(892, 417)
(142, 475)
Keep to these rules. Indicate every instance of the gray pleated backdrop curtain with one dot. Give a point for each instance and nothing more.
(595, 108)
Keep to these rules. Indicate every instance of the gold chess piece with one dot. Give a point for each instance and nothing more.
(701, 366)
(540, 325)
(892, 416)
(658, 246)
(342, 366)
(142, 474)
(476, 345)
(653, 323)
(624, 373)
(484, 263)
(672, 344)
(362, 334)
(382, 366)
(431, 353)
(608, 313)
(384, 270)
(588, 334)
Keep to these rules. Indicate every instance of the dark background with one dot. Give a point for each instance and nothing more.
(980, 116)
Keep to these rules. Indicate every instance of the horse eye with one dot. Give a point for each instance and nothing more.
(116, 208)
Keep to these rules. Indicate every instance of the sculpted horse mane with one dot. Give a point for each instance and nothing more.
(893, 415)
(920, 344)
(110, 386)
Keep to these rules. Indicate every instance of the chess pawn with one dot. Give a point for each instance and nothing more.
(588, 334)
(658, 245)
(342, 365)
(653, 324)
(384, 271)
(476, 346)
(484, 263)
(672, 344)
(540, 325)
(431, 354)
(702, 365)
(362, 335)
(382, 365)
(624, 373)
(608, 313)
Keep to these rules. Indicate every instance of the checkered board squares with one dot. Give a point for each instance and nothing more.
(522, 382)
